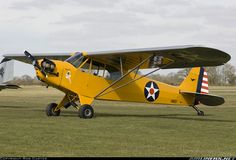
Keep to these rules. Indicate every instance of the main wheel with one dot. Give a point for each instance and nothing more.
(86, 111)
(200, 113)
(50, 110)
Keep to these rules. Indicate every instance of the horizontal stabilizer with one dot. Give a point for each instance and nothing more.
(207, 99)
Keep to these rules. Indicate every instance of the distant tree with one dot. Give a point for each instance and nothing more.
(214, 75)
(221, 75)
(229, 74)
(25, 80)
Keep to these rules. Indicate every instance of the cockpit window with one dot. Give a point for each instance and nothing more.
(101, 70)
(75, 60)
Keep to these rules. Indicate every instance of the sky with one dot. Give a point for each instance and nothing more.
(53, 26)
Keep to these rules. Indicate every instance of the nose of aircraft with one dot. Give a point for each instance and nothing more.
(48, 66)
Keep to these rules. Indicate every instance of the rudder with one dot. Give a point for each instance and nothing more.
(202, 86)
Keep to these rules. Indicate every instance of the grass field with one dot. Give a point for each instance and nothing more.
(119, 129)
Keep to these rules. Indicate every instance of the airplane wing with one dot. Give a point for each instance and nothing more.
(181, 56)
(23, 58)
(8, 86)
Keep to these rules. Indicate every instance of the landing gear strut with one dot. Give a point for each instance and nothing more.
(199, 112)
(85, 111)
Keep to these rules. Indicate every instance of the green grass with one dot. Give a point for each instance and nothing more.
(119, 129)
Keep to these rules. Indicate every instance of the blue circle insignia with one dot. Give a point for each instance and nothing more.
(151, 91)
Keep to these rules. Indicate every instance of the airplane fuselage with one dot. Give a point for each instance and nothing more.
(88, 86)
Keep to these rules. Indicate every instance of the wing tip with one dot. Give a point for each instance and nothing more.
(225, 57)
(5, 60)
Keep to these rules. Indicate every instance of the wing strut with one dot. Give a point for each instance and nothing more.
(122, 77)
(135, 79)
(121, 66)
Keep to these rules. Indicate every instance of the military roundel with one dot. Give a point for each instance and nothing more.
(151, 91)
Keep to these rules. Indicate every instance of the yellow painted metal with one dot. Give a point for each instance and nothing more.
(61, 104)
(84, 53)
(191, 81)
(87, 86)
(85, 100)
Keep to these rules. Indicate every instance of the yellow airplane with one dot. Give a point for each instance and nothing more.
(113, 76)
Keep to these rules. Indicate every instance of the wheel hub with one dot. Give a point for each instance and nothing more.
(87, 112)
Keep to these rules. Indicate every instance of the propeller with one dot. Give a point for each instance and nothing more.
(34, 62)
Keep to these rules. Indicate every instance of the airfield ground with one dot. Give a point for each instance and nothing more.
(119, 129)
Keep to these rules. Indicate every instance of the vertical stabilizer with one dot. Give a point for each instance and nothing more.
(196, 81)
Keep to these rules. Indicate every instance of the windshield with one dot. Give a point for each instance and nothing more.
(75, 60)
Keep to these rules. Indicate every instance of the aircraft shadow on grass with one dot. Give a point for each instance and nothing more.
(12, 107)
(160, 116)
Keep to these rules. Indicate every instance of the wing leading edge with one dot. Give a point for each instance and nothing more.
(23, 58)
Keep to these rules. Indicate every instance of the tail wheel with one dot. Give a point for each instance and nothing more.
(200, 113)
(86, 111)
(50, 110)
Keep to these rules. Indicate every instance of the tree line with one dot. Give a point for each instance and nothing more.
(217, 76)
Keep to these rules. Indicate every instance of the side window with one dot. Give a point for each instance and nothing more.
(115, 75)
(101, 70)
(95, 68)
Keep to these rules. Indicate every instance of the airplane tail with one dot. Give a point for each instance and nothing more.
(196, 84)
(6, 71)
(196, 81)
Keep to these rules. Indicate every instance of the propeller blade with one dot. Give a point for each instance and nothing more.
(34, 62)
(32, 59)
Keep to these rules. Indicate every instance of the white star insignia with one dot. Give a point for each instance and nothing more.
(151, 91)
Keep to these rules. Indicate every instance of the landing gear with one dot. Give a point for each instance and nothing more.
(86, 111)
(199, 112)
(50, 110)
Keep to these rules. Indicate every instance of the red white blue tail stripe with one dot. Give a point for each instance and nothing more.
(203, 82)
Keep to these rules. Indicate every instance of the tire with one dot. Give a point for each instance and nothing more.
(200, 113)
(86, 111)
(50, 110)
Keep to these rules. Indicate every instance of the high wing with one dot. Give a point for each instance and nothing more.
(23, 58)
(180, 56)
(8, 86)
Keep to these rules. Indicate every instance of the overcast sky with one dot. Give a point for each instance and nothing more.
(95, 25)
